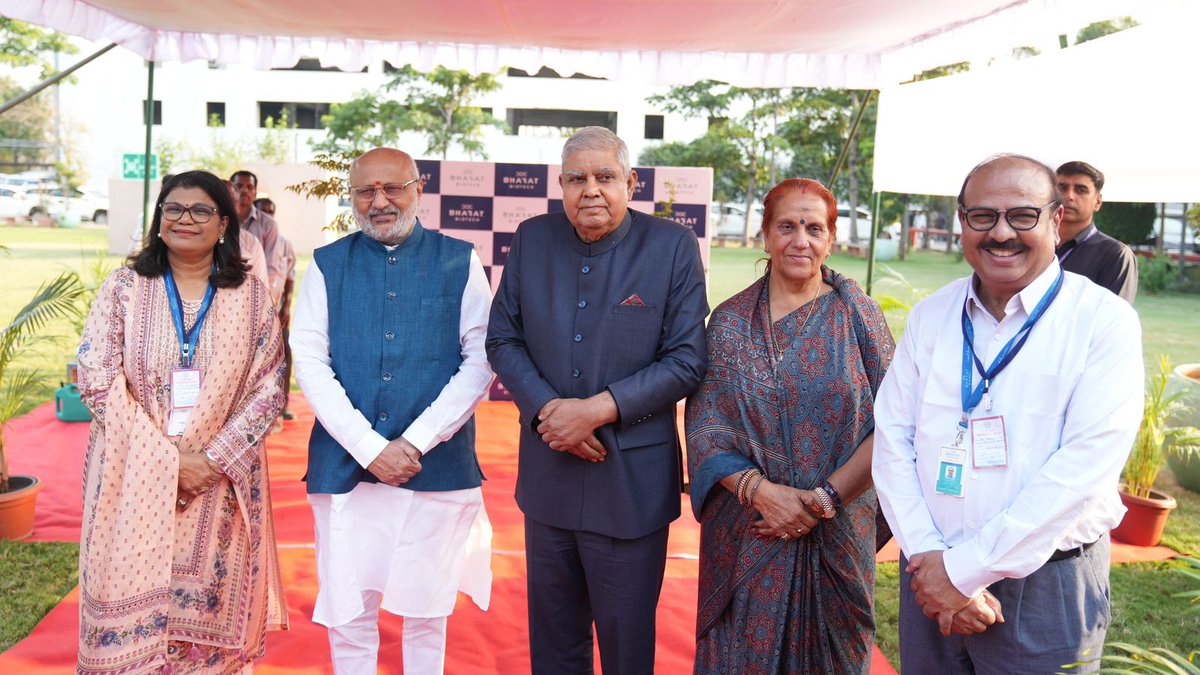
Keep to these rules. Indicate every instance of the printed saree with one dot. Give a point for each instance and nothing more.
(796, 405)
(164, 589)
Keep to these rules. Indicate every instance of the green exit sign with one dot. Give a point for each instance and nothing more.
(133, 167)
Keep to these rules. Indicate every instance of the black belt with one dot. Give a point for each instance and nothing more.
(1070, 553)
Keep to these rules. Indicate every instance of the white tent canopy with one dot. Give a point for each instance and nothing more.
(856, 44)
(1126, 103)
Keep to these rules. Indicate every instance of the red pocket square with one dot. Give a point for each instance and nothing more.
(633, 301)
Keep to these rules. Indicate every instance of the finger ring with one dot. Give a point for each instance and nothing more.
(783, 537)
(800, 530)
(183, 502)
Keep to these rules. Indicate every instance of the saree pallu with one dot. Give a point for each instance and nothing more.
(163, 589)
(796, 404)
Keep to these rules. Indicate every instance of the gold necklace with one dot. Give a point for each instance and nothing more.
(776, 353)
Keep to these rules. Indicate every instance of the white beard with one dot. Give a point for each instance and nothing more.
(393, 235)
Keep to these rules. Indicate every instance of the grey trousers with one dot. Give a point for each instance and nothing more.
(1056, 616)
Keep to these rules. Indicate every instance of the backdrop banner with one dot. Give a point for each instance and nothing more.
(483, 203)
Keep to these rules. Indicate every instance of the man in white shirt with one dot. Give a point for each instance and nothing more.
(999, 475)
(388, 343)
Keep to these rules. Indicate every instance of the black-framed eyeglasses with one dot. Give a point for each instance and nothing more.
(1020, 218)
(201, 213)
(366, 193)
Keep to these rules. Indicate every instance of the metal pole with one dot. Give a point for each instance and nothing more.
(52, 80)
(146, 158)
(837, 167)
(871, 243)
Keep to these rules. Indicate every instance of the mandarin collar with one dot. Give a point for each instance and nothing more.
(608, 243)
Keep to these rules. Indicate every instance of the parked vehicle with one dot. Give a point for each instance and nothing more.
(49, 200)
(728, 221)
(15, 201)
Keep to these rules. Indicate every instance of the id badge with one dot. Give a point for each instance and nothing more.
(951, 460)
(989, 443)
(185, 387)
(177, 422)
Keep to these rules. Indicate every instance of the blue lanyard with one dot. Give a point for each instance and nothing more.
(190, 337)
(972, 396)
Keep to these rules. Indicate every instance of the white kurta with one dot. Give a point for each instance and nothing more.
(416, 548)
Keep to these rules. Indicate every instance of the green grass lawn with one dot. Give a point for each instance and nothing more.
(35, 576)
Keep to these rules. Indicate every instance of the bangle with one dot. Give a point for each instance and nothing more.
(753, 490)
(833, 494)
(825, 502)
(742, 483)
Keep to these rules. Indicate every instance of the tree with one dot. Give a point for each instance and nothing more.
(711, 149)
(747, 118)
(23, 45)
(26, 128)
(275, 145)
(1101, 28)
(1130, 222)
(436, 104)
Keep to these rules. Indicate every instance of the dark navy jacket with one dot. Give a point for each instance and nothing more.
(565, 324)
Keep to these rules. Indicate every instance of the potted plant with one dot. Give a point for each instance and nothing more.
(1186, 466)
(53, 300)
(1147, 510)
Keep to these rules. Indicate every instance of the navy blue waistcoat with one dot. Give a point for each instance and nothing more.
(394, 342)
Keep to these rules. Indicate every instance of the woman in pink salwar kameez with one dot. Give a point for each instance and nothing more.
(181, 364)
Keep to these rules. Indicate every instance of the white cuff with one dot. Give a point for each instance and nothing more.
(420, 436)
(967, 570)
(368, 448)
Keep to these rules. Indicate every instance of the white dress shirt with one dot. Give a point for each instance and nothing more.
(1071, 402)
(348, 426)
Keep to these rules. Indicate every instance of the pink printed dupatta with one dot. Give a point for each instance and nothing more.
(152, 576)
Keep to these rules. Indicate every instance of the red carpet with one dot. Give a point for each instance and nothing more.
(478, 642)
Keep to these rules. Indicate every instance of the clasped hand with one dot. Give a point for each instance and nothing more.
(397, 464)
(569, 425)
(197, 475)
(937, 597)
(786, 511)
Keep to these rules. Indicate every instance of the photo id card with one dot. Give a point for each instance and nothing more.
(177, 422)
(951, 461)
(185, 387)
(989, 444)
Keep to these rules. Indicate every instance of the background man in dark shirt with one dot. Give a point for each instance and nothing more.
(1082, 248)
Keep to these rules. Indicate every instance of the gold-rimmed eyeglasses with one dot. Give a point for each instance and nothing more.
(366, 193)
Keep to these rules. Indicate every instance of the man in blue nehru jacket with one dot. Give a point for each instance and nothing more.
(597, 329)
(388, 343)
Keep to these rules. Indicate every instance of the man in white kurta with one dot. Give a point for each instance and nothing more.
(1001, 488)
(380, 544)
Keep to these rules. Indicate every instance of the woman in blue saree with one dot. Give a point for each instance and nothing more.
(779, 451)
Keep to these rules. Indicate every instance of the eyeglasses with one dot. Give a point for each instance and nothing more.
(1021, 218)
(366, 193)
(201, 213)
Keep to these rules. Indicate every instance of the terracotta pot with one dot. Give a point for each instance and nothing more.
(16, 507)
(1145, 518)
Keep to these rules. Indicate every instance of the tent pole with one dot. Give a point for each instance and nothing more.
(871, 243)
(837, 167)
(146, 157)
(52, 80)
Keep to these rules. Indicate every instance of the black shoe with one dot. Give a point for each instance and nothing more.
(288, 416)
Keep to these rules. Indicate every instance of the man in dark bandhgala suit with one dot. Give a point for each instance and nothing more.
(597, 329)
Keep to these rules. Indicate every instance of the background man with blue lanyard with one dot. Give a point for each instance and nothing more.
(1001, 430)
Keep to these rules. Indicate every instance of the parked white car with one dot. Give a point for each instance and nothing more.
(49, 200)
(728, 221)
(15, 201)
